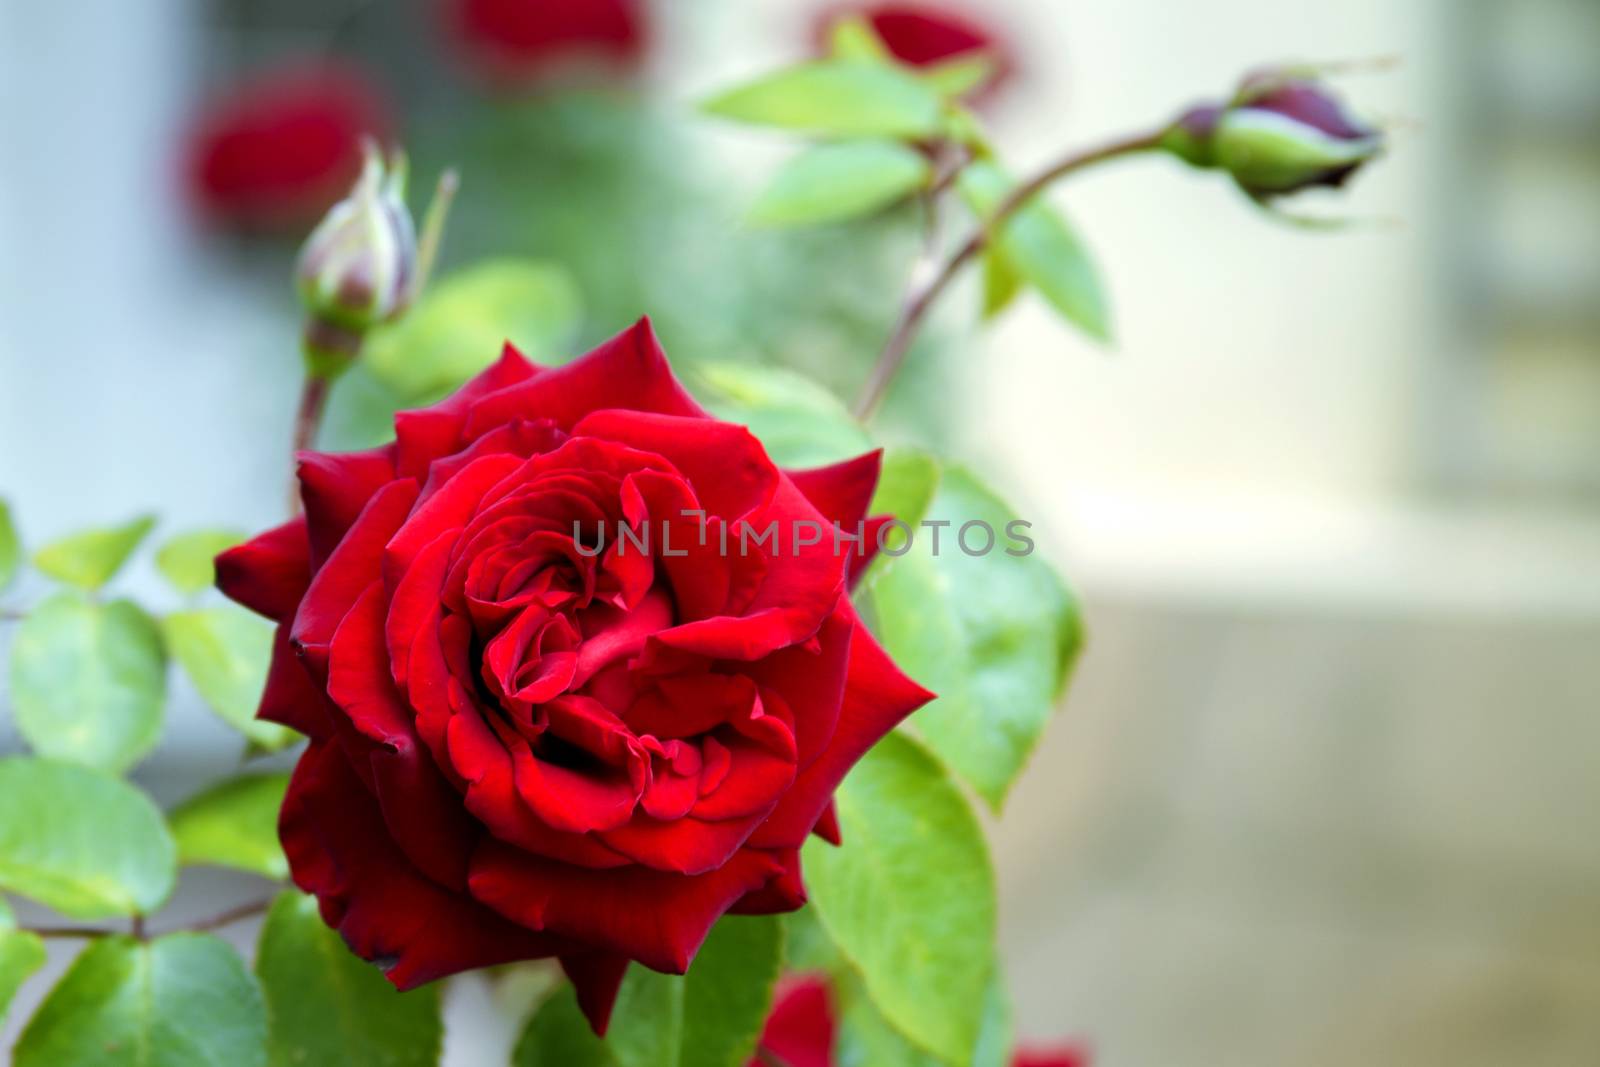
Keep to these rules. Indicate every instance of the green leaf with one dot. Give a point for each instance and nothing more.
(710, 1017)
(963, 127)
(909, 899)
(865, 1038)
(852, 37)
(89, 681)
(838, 98)
(329, 1007)
(955, 78)
(559, 1036)
(832, 182)
(800, 423)
(1041, 248)
(234, 824)
(994, 1036)
(994, 635)
(226, 651)
(90, 559)
(81, 842)
(727, 993)
(187, 559)
(807, 948)
(21, 953)
(460, 325)
(10, 547)
(1001, 284)
(184, 1000)
(906, 485)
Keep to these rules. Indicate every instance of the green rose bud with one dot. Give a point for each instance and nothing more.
(1283, 132)
(359, 267)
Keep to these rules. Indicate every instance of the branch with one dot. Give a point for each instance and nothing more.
(921, 294)
(229, 917)
(308, 418)
(206, 925)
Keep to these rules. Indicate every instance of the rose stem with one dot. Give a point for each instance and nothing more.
(921, 294)
(214, 922)
(313, 400)
(770, 1058)
(229, 917)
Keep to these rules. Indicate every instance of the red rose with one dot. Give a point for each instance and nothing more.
(279, 150)
(802, 1029)
(511, 42)
(925, 34)
(524, 744)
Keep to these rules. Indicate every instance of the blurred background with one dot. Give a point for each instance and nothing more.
(1322, 790)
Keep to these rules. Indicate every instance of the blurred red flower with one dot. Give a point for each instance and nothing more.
(925, 34)
(801, 1030)
(277, 150)
(513, 42)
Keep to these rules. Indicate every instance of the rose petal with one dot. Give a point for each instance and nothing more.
(520, 438)
(427, 434)
(628, 371)
(387, 912)
(843, 491)
(269, 573)
(685, 846)
(726, 465)
(812, 682)
(784, 892)
(355, 564)
(291, 697)
(449, 508)
(877, 697)
(424, 815)
(657, 918)
(802, 585)
(595, 978)
(827, 826)
(335, 487)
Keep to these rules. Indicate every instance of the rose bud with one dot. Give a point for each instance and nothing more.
(1281, 133)
(803, 1027)
(512, 43)
(925, 35)
(278, 150)
(533, 735)
(359, 266)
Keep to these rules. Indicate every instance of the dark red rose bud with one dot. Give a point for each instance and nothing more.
(925, 35)
(1283, 132)
(1192, 137)
(511, 43)
(802, 1030)
(278, 150)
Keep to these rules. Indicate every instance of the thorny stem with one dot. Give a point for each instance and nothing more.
(929, 279)
(214, 922)
(313, 400)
